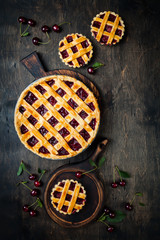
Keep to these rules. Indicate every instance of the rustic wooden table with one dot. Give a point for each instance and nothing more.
(130, 93)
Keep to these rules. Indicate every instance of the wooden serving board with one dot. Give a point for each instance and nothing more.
(92, 185)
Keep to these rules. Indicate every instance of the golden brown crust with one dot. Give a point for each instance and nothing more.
(20, 118)
(82, 52)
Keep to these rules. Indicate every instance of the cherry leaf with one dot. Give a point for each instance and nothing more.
(101, 161)
(139, 194)
(124, 174)
(39, 170)
(92, 163)
(141, 204)
(25, 34)
(20, 170)
(39, 203)
(97, 65)
(119, 217)
(23, 166)
(102, 218)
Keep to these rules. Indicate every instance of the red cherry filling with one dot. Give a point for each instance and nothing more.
(111, 18)
(63, 112)
(70, 63)
(56, 204)
(62, 44)
(91, 106)
(40, 89)
(80, 200)
(43, 150)
(22, 109)
(118, 32)
(74, 123)
(101, 15)
(52, 100)
(43, 131)
(52, 141)
(64, 54)
(62, 151)
(72, 103)
(85, 44)
(32, 141)
(69, 84)
(32, 120)
(95, 34)
(72, 186)
(108, 28)
(61, 184)
(82, 93)
(64, 208)
(53, 121)
(61, 92)
(88, 54)
(23, 129)
(74, 49)
(57, 194)
(30, 98)
(42, 110)
(74, 144)
(84, 134)
(81, 190)
(80, 61)
(68, 197)
(64, 132)
(104, 39)
(69, 39)
(83, 114)
(96, 24)
(50, 82)
(92, 124)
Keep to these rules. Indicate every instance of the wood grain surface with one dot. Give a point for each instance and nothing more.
(130, 90)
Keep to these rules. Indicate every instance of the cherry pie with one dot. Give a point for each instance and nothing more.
(75, 50)
(68, 196)
(107, 28)
(57, 117)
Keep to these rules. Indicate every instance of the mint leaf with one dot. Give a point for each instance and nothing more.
(92, 163)
(39, 203)
(124, 174)
(139, 194)
(101, 161)
(25, 34)
(97, 65)
(119, 217)
(141, 204)
(20, 170)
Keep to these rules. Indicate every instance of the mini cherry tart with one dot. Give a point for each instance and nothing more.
(107, 28)
(57, 117)
(68, 196)
(75, 50)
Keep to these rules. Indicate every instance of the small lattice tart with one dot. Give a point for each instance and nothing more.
(107, 28)
(68, 196)
(57, 117)
(75, 50)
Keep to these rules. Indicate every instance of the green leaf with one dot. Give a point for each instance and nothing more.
(20, 170)
(25, 34)
(24, 182)
(141, 204)
(92, 163)
(139, 194)
(124, 174)
(39, 170)
(23, 166)
(119, 217)
(39, 203)
(101, 161)
(102, 218)
(97, 65)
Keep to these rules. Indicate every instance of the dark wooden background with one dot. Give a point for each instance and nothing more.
(130, 90)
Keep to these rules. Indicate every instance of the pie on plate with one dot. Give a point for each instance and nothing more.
(57, 117)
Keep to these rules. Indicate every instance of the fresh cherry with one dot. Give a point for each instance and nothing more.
(110, 229)
(106, 211)
(122, 183)
(114, 185)
(31, 22)
(26, 208)
(56, 28)
(111, 214)
(22, 20)
(128, 207)
(78, 174)
(34, 192)
(90, 70)
(32, 177)
(35, 41)
(33, 213)
(45, 28)
(37, 183)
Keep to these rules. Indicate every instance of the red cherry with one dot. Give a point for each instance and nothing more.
(56, 28)
(111, 214)
(26, 208)
(32, 177)
(31, 22)
(34, 192)
(128, 207)
(110, 229)
(78, 174)
(122, 183)
(33, 213)
(37, 183)
(90, 70)
(107, 211)
(35, 41)
(114, 185)
(45, 28)
(22, 20)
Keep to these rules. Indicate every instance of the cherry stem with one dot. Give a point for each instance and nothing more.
(36, 207)
(24, 30)
(90, 170)
(26, 186)
(63, 23)
(103, 222)
(48, 40)
(118, 172)
(41, 176)
(33, 203)
(114, 178)
(27, 171)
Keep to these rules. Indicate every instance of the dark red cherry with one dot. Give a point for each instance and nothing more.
(31, 22)
(35, 41)
(78, 174)
(22, 20)
(32, 176)
(128, 207)
(45, 28)
(26, 208)
(122, 183)
(37, 183)
(111, 214)
(114, 185)
(33, 213)
(110, 229)
(34, 192)
(90, 70)
(107, 211)
(56, 28)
